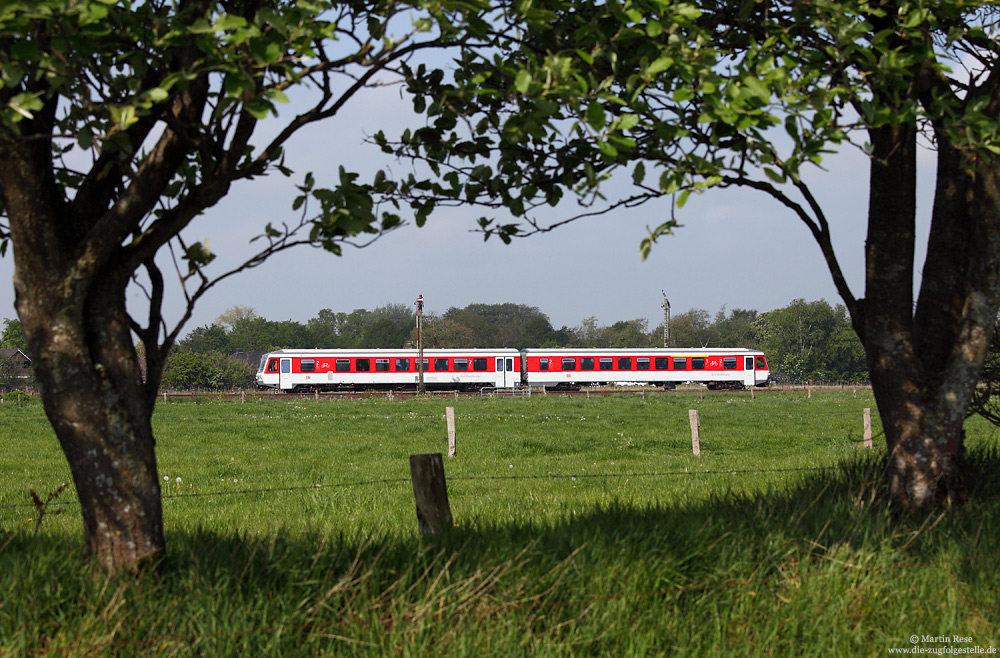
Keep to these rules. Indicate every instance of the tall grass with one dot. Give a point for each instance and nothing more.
(582, 527)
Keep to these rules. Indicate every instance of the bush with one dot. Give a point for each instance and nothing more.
(213, 371)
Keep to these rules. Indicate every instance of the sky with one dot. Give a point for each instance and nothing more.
(736, 249)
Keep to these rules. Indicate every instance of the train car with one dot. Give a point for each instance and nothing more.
(291, 370)
(716, 368)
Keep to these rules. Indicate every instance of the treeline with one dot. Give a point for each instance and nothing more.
(805, 341)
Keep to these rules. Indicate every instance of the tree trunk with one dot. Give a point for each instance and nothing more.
(924, 363)
(92, 392)
(72, 310)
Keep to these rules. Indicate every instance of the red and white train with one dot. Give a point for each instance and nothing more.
(472, 369)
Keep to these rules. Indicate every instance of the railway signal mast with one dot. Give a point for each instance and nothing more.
(420, 344)
(666, 319)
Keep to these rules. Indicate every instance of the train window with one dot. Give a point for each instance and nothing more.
(642, 363)
(402, 365)
(749, 364)
(272, 365)
(381, 365)
(479, 365)
(607, 363)
(440, 365)
(586, 363)
(663, 363)
(761, 364)
(624, 363)
(363, 365)
(307, 365)
(680, 363)
(697, 363)
(569, 364)
(343, 365)
(543, 364)
(461, 365)
(426, 364)
(729, 363)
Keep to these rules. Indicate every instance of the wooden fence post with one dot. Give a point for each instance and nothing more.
(695, 431)
(449, 413)
(868, 427)
(430, 493)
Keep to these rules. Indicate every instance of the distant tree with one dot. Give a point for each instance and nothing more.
(589, 333)
(538, 331)
(401, 315)
(205, 340)
(12, 337)
(228, 318)
(497, 325)
(209, 371)
(628, 333)
(810, 341)
(353, 327)
(735, 329)
(261, 335)
(325, 328)
(692, 328)
(384, 333)
(447, 332)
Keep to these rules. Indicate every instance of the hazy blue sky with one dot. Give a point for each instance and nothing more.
(736, 249)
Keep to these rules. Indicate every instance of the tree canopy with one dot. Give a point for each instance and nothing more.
(681, 98)
(121, 122)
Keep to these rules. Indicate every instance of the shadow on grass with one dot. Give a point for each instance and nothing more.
(772, 570)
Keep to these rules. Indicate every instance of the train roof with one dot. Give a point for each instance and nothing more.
(666, 351)
(505, 351)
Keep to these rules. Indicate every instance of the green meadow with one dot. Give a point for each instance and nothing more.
(581, 527)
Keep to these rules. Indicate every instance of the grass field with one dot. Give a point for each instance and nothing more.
(582, 527)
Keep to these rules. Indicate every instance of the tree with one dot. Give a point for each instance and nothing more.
(324, 329)
(800, 340)
(12, 337)
(228, 318)
(120, 124)
(214, 371)
(736, 329)
(205, 340)
(384, 333)
(497, 325)
(692, 328)
(684, 97)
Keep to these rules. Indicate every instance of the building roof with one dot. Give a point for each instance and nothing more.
(16, 355)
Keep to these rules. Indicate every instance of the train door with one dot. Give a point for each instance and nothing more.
(505, 372)
(751, 373)
(285, 375)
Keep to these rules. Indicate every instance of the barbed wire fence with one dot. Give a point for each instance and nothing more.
(502, 608)
(450, 416)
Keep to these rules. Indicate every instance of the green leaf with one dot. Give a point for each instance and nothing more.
(595, 115)
(639, 174)
(522, 83)
(659, 65)
(775, 175)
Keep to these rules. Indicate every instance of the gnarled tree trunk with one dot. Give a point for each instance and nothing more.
(72, 309)
(924, 362)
